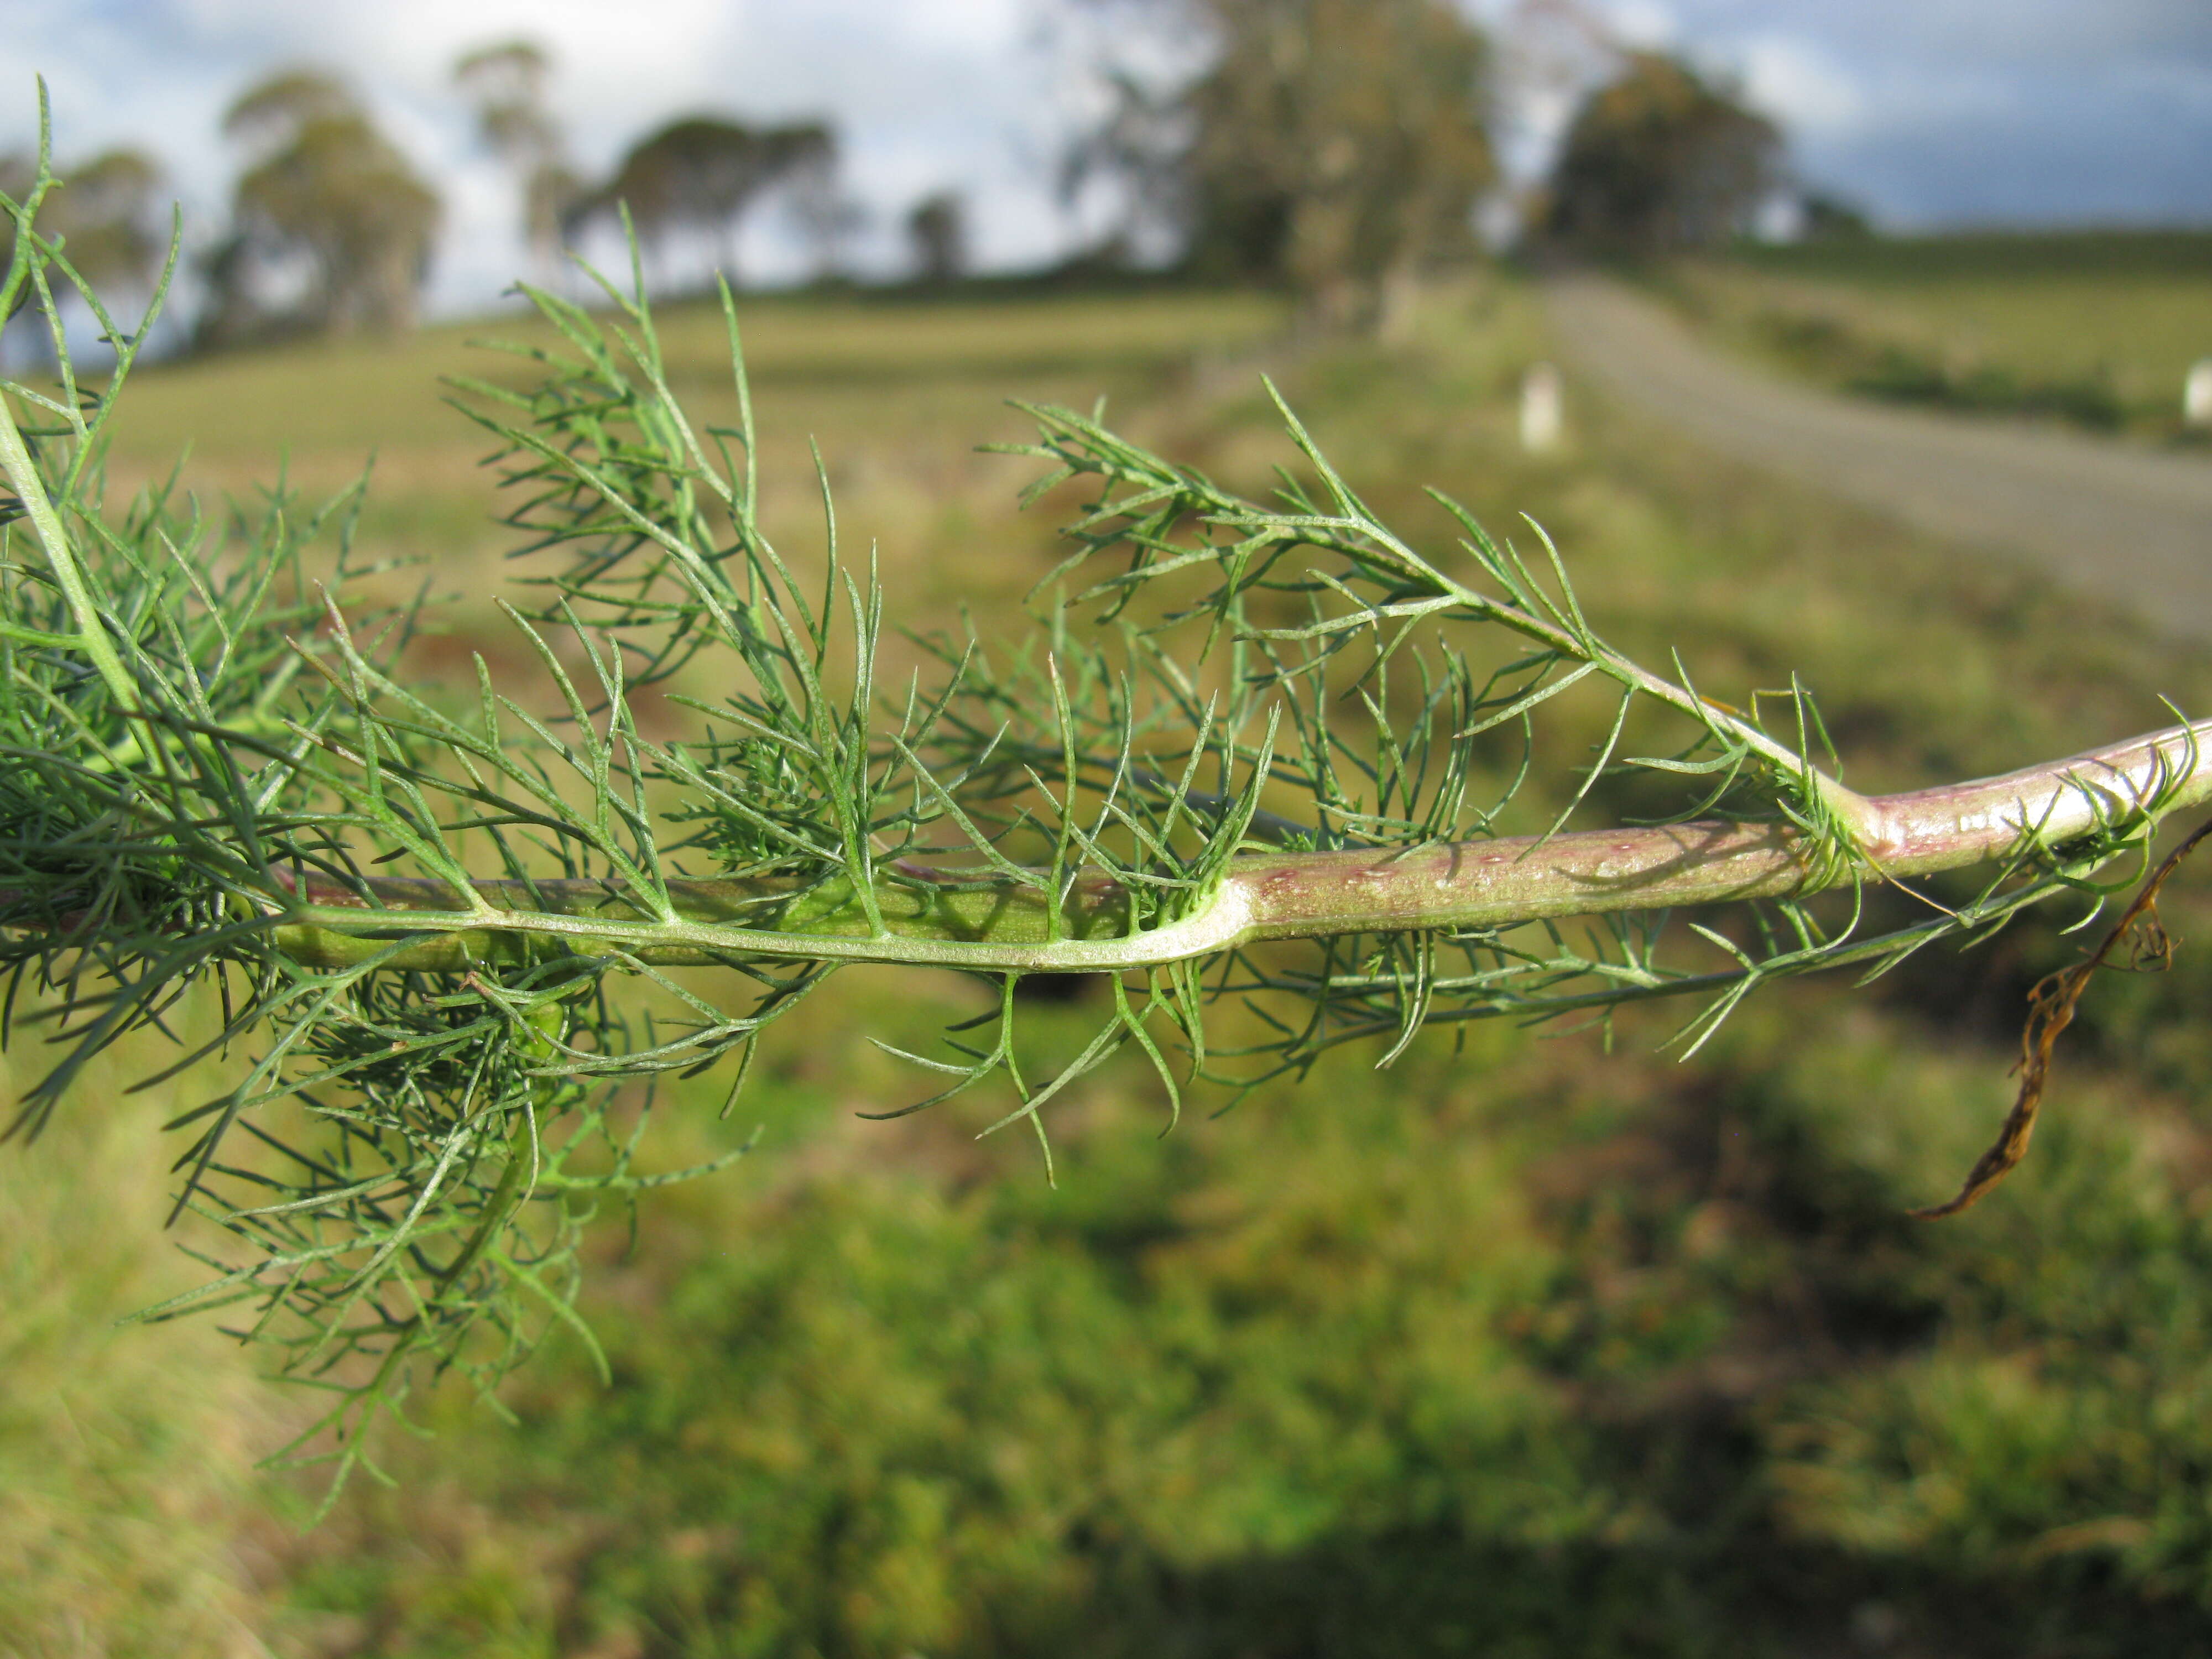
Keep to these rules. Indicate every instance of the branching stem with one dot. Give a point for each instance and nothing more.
(1015, 925)
(92, 637)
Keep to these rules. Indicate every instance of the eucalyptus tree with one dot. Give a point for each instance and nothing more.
(506, 84)
(1658, 158)
(1334, 146)
(326, 198)
(1254, 771)
(937, 235)
(107, 209)
(703, 175)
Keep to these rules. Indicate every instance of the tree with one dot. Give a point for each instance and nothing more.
(1826, 218)
(106, 210)
(936, 233)
(106, 213)
(824, 216)
(1334, 146)
(702, 175)
(424, 920)
(327, 200)
(507, 83)
(1659, 158)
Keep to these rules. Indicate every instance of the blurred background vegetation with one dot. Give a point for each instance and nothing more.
(1536, 1343)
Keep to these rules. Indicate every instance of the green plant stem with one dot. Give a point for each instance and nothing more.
(1009, 926)
(61, 559)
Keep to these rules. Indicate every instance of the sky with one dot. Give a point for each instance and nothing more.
(1943, 111)
(1927, 112)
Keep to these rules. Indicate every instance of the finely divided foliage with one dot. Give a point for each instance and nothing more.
(1249, 766)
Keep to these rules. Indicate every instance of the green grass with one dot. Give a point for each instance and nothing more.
(2096, 331)
(1527, 1348)
(123, 1451)
(898, 400)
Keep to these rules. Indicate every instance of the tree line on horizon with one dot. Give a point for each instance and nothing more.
(1338, 150)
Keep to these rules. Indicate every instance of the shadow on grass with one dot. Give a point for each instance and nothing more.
(1407, 1593)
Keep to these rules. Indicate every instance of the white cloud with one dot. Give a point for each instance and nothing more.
(1925, 107)
(1935, 111)
(1800, 85)
(951, 93)
(1647, 25)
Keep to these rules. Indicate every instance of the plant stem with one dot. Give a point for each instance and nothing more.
(1449, 885)
(61, 559)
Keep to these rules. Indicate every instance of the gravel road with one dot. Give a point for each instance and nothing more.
(2132, 525)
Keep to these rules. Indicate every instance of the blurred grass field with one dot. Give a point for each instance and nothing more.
(1523, 1346)
(2096, 330)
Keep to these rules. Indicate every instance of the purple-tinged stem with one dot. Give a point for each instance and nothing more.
(1456, 885)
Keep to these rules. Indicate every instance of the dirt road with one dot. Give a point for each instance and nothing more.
(2133, 526)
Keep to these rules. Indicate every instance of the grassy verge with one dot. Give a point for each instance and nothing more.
(129, 1523)
(1520, 1346)
(2093, 332)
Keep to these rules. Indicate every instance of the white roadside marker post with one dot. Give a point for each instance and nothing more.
(1542, 410)
(2196, 394)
